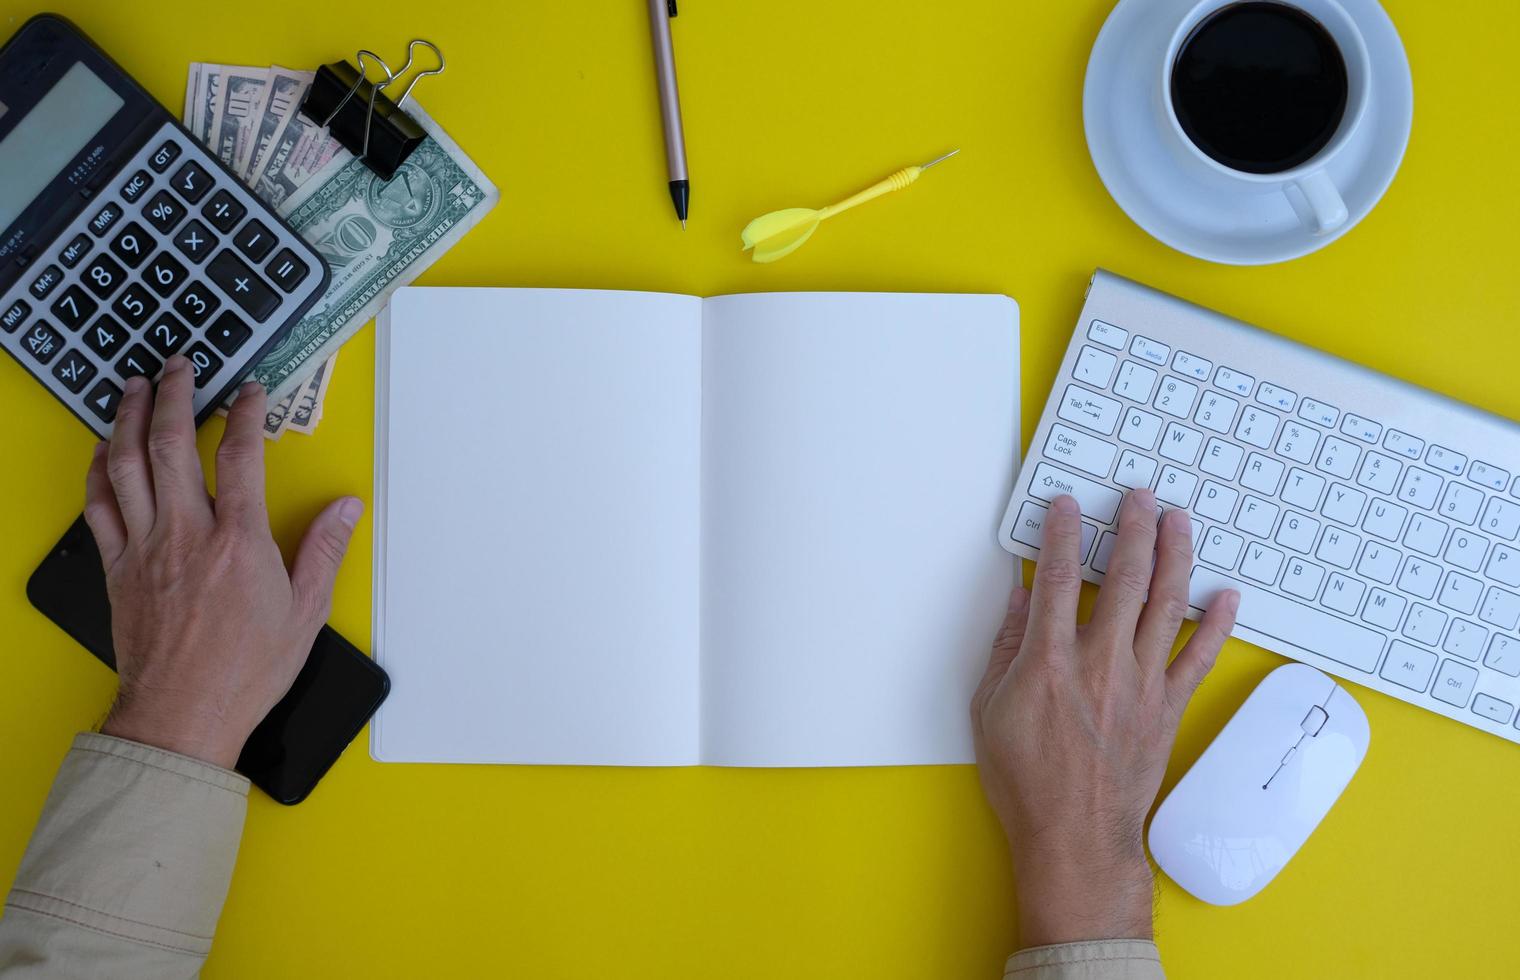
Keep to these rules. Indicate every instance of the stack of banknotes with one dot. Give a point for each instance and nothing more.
(376, 235)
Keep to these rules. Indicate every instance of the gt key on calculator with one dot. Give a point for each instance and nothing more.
(123, 241)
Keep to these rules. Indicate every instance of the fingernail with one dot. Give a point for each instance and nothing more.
(175, 363)
(100, 448)
(1064, 504)
(1180, 521)
(1018, 598)
(136, 383)
(350, 511)
(1143, 498)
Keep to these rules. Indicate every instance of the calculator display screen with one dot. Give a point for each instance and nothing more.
(47, 138)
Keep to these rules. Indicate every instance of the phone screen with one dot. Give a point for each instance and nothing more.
(327, 706)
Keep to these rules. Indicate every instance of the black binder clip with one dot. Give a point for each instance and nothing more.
(361, 116)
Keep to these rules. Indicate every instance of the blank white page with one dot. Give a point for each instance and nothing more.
(536, 529)
(858, 453)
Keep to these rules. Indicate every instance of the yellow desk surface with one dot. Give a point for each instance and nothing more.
(413, 871)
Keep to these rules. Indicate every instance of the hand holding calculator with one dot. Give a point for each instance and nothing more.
(123, 241)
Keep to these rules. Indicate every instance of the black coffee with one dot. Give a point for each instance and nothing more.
(1260, 87)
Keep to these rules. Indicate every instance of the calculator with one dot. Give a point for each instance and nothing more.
(123, 241)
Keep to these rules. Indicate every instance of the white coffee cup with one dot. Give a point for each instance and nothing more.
(1308, 186)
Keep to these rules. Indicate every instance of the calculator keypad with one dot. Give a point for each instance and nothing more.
(168, 256)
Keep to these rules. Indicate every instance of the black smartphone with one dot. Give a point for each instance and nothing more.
(335, 693)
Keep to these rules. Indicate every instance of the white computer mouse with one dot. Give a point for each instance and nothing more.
(1263, 785)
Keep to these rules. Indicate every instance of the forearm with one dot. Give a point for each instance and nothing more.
(128, 868)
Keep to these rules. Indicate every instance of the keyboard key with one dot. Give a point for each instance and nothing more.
(1461, 593)
(1488, 475)
(1446, 460)
(1232, 380)
(1221, 548)
(1344, 504)
(1094, 367)
(1492, 708)
(1262, 474)
(138, 360)
(195, 304)
(1298, 442)
(103, 276)
(1081, 407)
(1135, 471)
(42, 342)
(1501, 519)
(287, 270)
(1105, 551)
(1500, 608)
(1465, 639)
(1302, 579)
(237, 280)
(1338, 547)
(1176, 487)
(1216, 502)
(74, 370)
(1192, 365)
(1291, 622)
(134, 305)
(191, 181)
(105, 337)
(1504, 566)
(254, 240)
(1467, 551)
(1420, 577)
(1338, 457)
(1221, 459)
(105, 219)
(223, 211)
(1176, 397)
(132, 244)
(76, 250)
(1461, 502)
(135, 186)
(1136, 382)
(1030, 525)
(1408, 666)
(1385, 520)
(73, 307)
(204, 363)
(1097, 501)
(1107, 334)
(1303, 489)
(1404, 444)
(1076, 449)
(1257, 427)
(163, 156)
(1216, 412)
(1181, 444)
(1257, 516)
(1379, 562)
(167, 335)
(1150, 350)
(1319, 413)
(1425, 535)
(1359, 428)
(1343, 594)
(163, 212)
(229, 333)
(1262, 563)
(1503, 655)
(46, 282)
(1384, 609)
(1379, 473)
(195, 241)
(1420, 487)
(1298, 532)
(103, 400)
(1276, 396)
(1424, 624)
(1140, 429)
(164, 274)
(15, 315)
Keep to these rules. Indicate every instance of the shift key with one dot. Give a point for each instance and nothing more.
(1097, 501)
(232, 275)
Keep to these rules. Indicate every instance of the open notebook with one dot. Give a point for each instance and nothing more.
(617, 528)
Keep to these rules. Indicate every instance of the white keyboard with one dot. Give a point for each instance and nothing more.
(1369, 525)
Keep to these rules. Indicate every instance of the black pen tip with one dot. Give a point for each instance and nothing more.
(680, 195)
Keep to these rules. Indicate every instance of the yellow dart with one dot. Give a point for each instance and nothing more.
(780, 233)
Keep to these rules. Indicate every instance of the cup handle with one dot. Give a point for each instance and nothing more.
(1325, 204)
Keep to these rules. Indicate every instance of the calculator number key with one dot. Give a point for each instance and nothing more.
(196, 303)
(135, 305)
(228, 333)
(103, 276)
(204, 363)
(164, 274)
(14, 316)
(73, 308)
(132, 245)
(74, 371)
(163, 212)
(43, 284)
(223, 211)
(104, 219)
(254, 240)
(245, 287)
(42, 342)
(191, 181)
(167, 335)
(105, 337)
(288, 271)
(195, 242)
(76, 250)
(138, 360)
(163, 156)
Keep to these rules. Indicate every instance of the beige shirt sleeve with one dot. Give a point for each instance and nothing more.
(1106, 959)
(128, 868)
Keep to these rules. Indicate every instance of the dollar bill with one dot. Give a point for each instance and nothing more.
(307, 410)
(285, 91)
(233, 115)
(377, 236)
(296, 152)
(208, 82)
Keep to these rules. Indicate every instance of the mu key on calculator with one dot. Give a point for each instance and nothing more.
(123, 241)
(1370, 526)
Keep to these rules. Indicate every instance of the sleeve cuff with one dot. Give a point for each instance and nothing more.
(1104, 959)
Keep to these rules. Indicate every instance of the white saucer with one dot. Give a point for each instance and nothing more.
(1127, 146)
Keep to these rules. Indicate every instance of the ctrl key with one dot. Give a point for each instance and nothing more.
(1030, 529)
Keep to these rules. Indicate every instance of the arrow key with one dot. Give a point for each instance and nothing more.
(103, 399)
